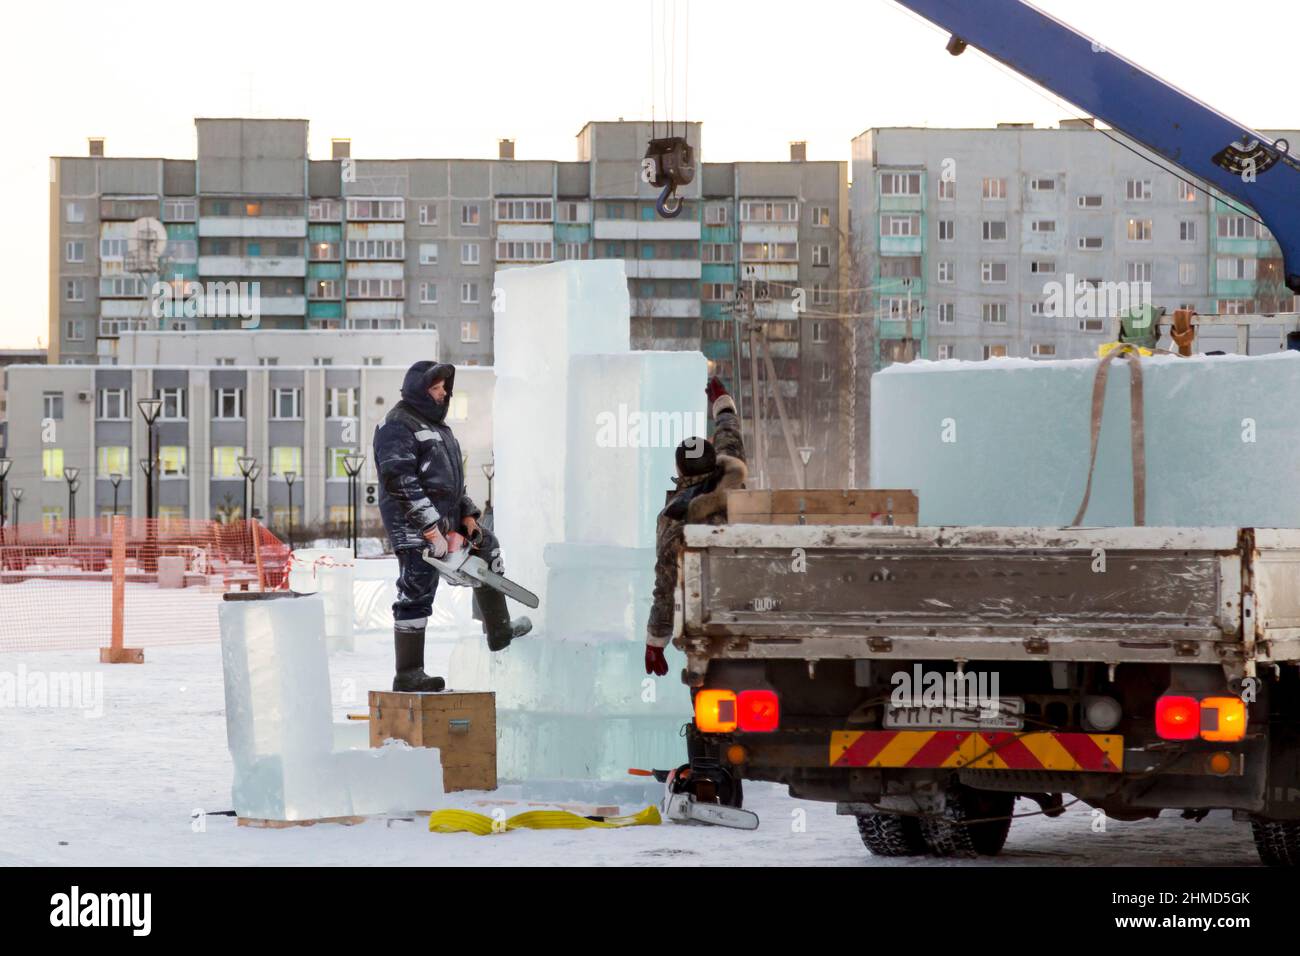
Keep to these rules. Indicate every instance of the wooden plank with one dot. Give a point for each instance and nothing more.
(819, 501)
(282, 824)
(825, 519)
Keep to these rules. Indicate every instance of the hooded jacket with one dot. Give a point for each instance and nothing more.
(421, 473)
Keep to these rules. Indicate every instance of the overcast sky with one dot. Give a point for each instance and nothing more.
(431, 79)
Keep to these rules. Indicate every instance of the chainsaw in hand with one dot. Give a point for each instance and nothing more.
(461, 566)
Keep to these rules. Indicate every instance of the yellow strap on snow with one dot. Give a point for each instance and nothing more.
(466, 821)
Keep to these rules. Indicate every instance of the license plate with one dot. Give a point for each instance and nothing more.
(1010, 716)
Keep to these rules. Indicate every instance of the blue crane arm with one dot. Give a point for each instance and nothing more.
(1212, 147)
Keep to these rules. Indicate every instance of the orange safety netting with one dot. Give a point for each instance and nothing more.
(56, 581)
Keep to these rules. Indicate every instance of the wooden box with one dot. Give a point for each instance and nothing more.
(811, 506)
(461, 724)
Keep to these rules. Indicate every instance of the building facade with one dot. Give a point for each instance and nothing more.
(975, 243)
(301, 411)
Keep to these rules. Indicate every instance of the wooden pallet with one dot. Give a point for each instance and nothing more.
(282, 824)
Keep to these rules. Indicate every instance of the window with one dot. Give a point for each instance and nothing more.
(469, 331)
(819, 332)
(112, 248)
(1090, 243)
(391, 210)
(1186, 273)
(821, 255)
(323, 251)
(1235, 306)
(1046, 267)
(323, 289)
(227, 403)
(114, 286)
(1092, 325)
(1186, 191)
(1043, 225)
(820, 295)
(74, 330)
(1139, 272)
(1043, 185)
(994, 313)
(113, 459)
(524, 210)
(429, 293)
(1138, 190)
(1139, 230)
(1236, 268)
(1042, 350)
(341, 402)
(286, 403)
(995, 188)
(771, 251)
(51, 518)
(75, 250)
(715, 215)
(428, 214)
(325, 210)
(469, 293)
(173, 404)
(524, 251)
(900, 267)
(947, 313)
(896, 307)
(993, 272)
(376, 288)
(821, 216)
(172, 461)
(428, 253)
(995, 351)
(1187, 230)
(1230, 227)
(1089, 202)
(74, 212)
(225, 461)
(285, 458)
(575, 250)
(334, 466)
(947, 190)
(995, 230)
(366, 249)
(717, 291)
(945, 271)
(900, 184)
(717, 252)
(113, 404)
(224, 361)
(53, 406)
(52, 464)
(943, 351)
(74, 290)
(469, 214)
(947, 230)
(322, 360)
(469, 254)
(372, 360)
(1037, 308)
(897, 226)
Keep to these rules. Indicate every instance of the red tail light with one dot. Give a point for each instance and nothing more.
(1178, 717)
(757, 711)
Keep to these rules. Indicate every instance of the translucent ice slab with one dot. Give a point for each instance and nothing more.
(1005, 442)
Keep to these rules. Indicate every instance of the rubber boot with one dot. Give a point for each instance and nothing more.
(408, 646)
(497, 625)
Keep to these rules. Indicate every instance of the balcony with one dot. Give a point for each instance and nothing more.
(252, 266)
(664, 268)
(375, 309)
(769, 232)
(283, 305)
(517, 232)
(647, 229)
(271, 227)
(667, 308)
(375, 270)
(770, 272)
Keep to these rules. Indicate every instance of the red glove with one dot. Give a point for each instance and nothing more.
(655, 662)
(714, 389)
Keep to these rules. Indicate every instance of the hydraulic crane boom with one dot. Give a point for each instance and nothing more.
(1210, 146)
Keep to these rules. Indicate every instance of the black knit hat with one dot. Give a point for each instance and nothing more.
(695, 456)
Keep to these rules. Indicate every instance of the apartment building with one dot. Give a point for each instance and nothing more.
(355, 244)
(977, 243)
(295, 401)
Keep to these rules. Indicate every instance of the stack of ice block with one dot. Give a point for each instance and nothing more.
(584, 435)
(279, 728)
(1005, 442)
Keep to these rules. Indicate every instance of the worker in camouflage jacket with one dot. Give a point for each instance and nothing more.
(706, 471)
(422, 499)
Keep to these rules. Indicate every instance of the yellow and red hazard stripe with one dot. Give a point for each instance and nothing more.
(990, 750)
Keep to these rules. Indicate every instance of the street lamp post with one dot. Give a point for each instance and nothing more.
(489, 472)
(253, 474)
(116, 479)
(18, 501)
(352, 465)
(246, 464)
(289, 478)
(5, 465)
(150, 409)
(70, 476)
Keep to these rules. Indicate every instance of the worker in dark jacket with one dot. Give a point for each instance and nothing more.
(422, 499)
(706, 471)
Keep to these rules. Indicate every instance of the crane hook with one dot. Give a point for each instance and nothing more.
(662, 203)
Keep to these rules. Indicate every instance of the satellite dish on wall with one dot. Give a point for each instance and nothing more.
(145, 245)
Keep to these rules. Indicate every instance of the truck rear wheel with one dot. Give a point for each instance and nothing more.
(1278, 841)
(949, 833)
(891, 834)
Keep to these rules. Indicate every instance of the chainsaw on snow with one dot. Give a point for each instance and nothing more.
(460, 566)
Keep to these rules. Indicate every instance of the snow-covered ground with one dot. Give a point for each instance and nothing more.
(122, 788)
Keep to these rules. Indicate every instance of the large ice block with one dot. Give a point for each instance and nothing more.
(1005, 442)
(279, 726)
(329, 572)
(627, 414)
